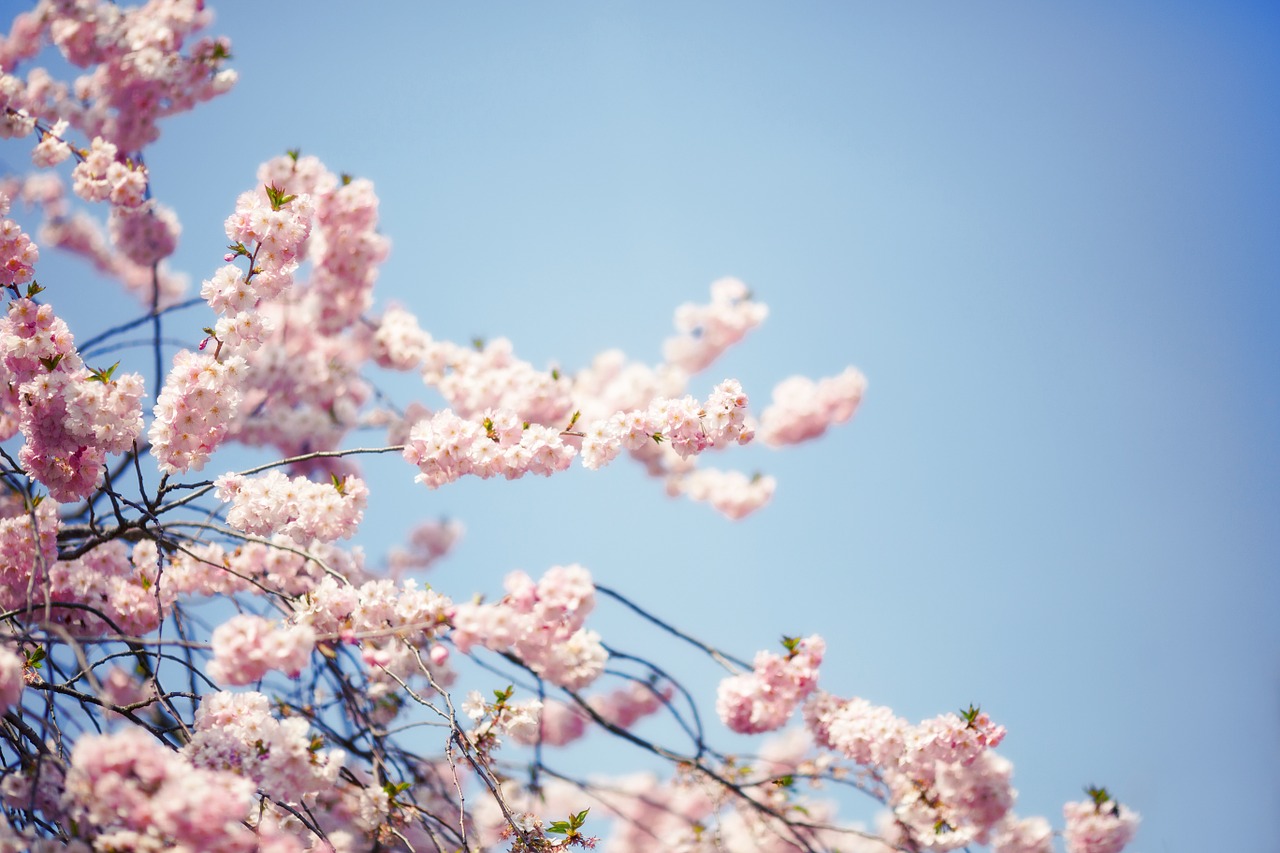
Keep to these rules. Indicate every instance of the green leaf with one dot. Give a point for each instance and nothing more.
(33, 288)
(103, 376)
(278, 197)
(51, 362)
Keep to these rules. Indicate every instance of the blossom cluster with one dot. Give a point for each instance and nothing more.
(112, 596)
(129, 792)
(18, 255)
(247, 647)
(562, 723)
(237, 733)
(541, 623)
(295, 507)
(683, 424)
(446, 447)
(11, 679)
(947, 788)
(803, 409)
(69, 416)
(270, 228)
(200, 397)
(304, 389)
(762, 700)
(28, 547)
(518, 720)
(139, 76)
(474, 380)
(347, 253)
(390, 623)
(706, 331)
(76, 232)
(103, 175)
(1098, 825)
(144, 230)
(428, 542)
(732, 493)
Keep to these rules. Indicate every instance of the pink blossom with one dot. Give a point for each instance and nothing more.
(560, 724)
(236, 732)
(298, 508)
(869, 734)
(75, 232)
(428, 542)
(1031, 835)
(131, 792)
(732, 493)
(1098, 827)
(276, 234)
(69, 418)
(303, 389)
(52, 148)
(540, 623)
(683, 424)
(195, 408)
(399, 342)
(28, 547)
(763, 699)
(246, 648)
(145, 233)
(708, 330)
(803, 409)
(625, 706)
(103, 176)
(348, 252)
(11, 679)
(18, 255)
(492, 378)
(949, 739)
(447, 447)
(106, 580)
(123, 688)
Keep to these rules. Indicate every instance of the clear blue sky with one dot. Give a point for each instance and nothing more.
(1048, 235)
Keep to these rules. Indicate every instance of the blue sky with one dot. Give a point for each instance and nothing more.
(1047, 234)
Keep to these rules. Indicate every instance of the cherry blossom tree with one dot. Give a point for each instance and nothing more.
(197, 662)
